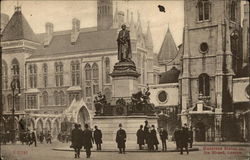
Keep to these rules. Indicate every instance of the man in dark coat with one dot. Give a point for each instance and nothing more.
(177, 138)
(140, 137)
(76, 135)
(190, 137)
(154, 137)
(146, 132)
(87, 140)
(184, 139)
(121, 139)
(164, 137)
(98, 138)
(33, 137)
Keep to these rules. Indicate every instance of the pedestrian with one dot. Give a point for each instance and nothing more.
(121, 139)
(177, 138)
(164, 137)
(33, 137)
(41, 137)
(140, 137)
(146, 133)
(87, 140)
(150, 140)
(154, 138)
(184, 139)
(76, 143)
(98, 138)
(190, 137)
(48, 137)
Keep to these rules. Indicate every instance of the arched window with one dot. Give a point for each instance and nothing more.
(15, 68)
(61, 98)
(233, 11)
(75, 73)
(88, 72)
(203, 10)
(4, 75)
(204, 84)
(107, 70)
(56, 96)
(95, 78)
(45, 98)
(45, 75)
(33, 75)
(59, 74)
(88, 79)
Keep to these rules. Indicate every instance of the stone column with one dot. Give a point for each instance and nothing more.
(218, 119)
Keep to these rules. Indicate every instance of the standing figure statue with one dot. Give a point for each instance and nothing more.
(124, 45)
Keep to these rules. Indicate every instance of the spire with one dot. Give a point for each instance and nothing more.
(139, 27)
(168, 49)
(149, 41)
(132, 27)
(17, 7)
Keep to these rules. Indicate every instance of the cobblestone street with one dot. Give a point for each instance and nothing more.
(46, 152)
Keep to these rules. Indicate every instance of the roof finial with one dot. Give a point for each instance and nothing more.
(17, 7)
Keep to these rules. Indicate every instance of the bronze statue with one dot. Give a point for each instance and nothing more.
(100, 101)
(124, 45)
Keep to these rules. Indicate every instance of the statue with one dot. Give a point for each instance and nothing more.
(124, 45)
(100, 101)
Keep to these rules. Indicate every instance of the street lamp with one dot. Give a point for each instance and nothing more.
(15, 84)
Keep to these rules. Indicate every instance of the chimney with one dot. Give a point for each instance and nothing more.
(49, 27)
(75, 30)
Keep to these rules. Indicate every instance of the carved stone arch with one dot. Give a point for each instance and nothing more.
(55, 123)
(39, 123)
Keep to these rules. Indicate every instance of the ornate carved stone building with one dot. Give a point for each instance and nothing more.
(61, 71)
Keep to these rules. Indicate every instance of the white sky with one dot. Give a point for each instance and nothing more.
(60, 13)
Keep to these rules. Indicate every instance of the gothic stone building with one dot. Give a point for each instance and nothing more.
(206, 83)
(60, 72)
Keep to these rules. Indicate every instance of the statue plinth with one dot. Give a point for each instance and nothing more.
(124, 82)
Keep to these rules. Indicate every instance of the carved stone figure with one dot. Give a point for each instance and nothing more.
(124, 45)
(100, 101)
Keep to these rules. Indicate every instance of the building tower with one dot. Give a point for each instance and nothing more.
(210, 59)
(104, 14)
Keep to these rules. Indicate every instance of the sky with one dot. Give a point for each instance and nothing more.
(61, 13)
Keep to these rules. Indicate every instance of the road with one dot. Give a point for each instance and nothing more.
(46, 152)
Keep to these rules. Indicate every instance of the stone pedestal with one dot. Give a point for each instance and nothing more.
(124, 82)
(109, 125)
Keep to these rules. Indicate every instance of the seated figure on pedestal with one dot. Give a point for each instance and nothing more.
(100, 101)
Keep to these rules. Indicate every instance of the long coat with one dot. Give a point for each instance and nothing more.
(184, 137)
(163, 135)
(124, 46)
(76, 135)
(140, 136)
(154, 137)
(98, 136)
(121, 138)
(87, 138)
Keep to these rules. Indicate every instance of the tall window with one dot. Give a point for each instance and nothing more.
(45, 98)
(73, 95)
(31, 101)
(4, 75)
(33, 75)
(95, 78)
(203, 10)
(204, 86)
(10, 102)
(88, 79)
(107, 70)
(56, 96)
(61, 98)
(45, 75)
(75, 73)
(59, 74)
(17, 103)
(233, 11)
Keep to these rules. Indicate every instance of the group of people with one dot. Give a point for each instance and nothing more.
(183, 137)
(30, 137)
(148, 135)
(84, 138)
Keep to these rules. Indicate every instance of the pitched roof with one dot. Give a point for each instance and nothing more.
(90, 42)
(18, 28)
(168, 49)
(170, 76)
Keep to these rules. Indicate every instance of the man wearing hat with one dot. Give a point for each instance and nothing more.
(121, 139)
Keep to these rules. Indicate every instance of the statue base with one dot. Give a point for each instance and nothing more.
(124, 82)
(109, 125)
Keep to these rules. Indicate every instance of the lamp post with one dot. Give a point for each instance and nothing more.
(15, 84)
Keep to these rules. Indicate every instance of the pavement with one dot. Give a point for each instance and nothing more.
(239, 144)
